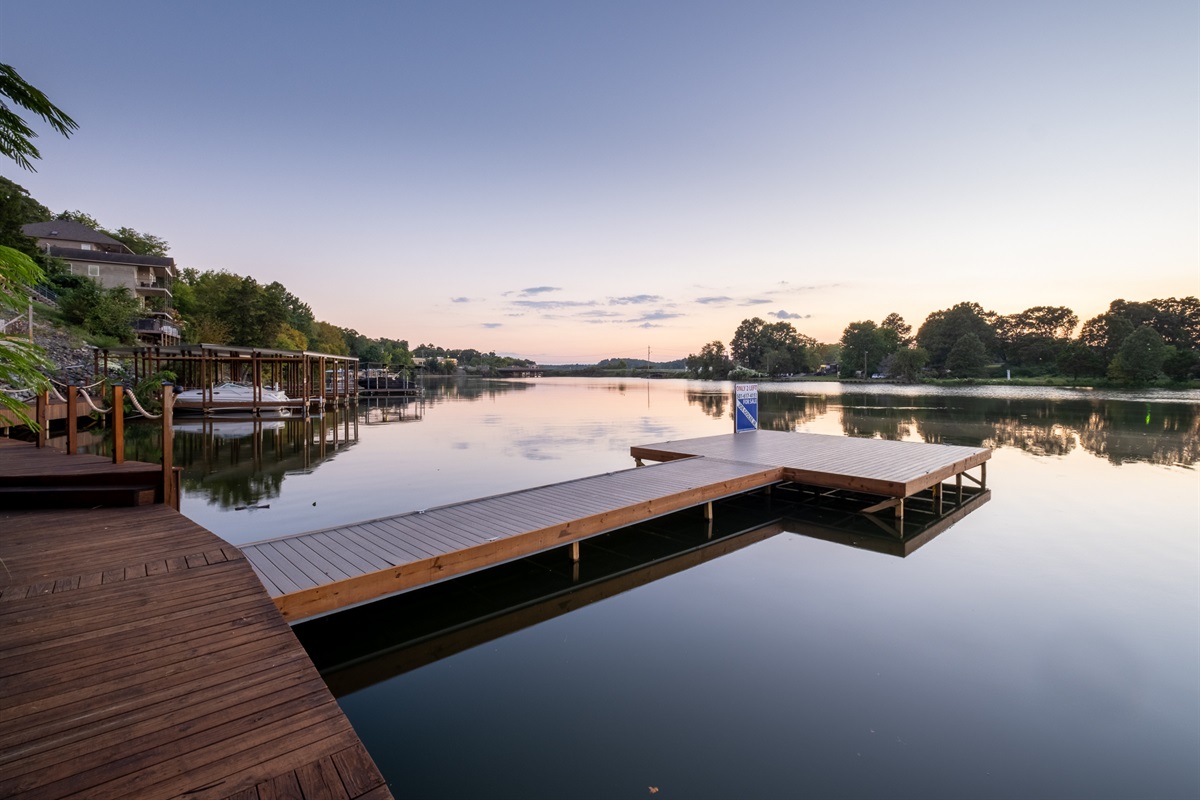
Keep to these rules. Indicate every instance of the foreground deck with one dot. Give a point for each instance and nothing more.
(140, 657)
(321, 571)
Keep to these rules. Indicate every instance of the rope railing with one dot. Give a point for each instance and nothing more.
(133, 399)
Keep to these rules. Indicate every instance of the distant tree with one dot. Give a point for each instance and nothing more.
(712, 363)
(967, 358)
(864, 346)
(905, 364)
(289, 338)
(1181, 365)
(790, 350)
(1077, 359)
(82, 217)
(943, 329)
(1141, 357)
(16, 137)
(144, 244)
(900, 330)
(747, 345)
(1036, 336)
(328, 339)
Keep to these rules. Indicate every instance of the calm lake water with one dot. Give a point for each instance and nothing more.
(1046, 645)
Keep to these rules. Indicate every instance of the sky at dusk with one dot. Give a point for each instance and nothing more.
(576, 181)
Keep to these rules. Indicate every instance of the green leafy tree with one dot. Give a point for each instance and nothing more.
(18, 209)
(1181, 365)
(1140, 359)
(898, 329)
(967, 358)
(864, 346)
(790, 351)
(712, 363)
(1036, 336)
(1077, 360)
(905, 364)
(22, 363)
(943, 329)
(144, 244)
(16, 137)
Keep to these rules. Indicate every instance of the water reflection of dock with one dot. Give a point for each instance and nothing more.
(321, 571)
(409, 631)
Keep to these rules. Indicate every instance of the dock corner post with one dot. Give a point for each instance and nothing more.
(958, 489)
(708, 510)
(983, 476)
(168, 444)
(118, 424)
(72, 420)
(900, 515)
(575, 552)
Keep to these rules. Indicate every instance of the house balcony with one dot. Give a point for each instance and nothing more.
(153, 289)
(156, 331)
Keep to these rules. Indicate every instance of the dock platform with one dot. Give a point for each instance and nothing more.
(141, 657)
(321, 571)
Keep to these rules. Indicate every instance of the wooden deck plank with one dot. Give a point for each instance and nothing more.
(143, 672)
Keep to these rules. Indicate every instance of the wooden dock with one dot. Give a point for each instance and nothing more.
(141, 657)
(42, 477)
(325, 570)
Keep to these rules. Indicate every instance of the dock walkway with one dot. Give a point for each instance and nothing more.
(321, 571)
(141, 657)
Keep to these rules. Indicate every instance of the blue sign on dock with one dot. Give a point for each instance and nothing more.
(745, 407)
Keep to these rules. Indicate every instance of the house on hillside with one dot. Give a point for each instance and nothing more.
(110, 263)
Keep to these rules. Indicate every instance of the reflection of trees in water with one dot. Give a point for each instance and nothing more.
(787, 412)
(1160, 435)
(465, 388)
(714, 404)
(1118, 430)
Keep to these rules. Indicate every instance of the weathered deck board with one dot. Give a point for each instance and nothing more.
(423, 547)
(875, 466)
(140, 657)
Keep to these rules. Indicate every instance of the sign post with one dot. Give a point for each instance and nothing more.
(745, 407)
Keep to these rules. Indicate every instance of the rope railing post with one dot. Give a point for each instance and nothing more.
(43, 417)
(169, 489)
(118, 423)
(72, 421)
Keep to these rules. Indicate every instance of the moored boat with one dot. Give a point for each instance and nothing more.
(232, 398)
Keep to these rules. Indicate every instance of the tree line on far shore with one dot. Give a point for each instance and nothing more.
(1133, 343)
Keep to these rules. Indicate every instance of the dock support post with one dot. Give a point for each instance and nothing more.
(958, 488)
(72, 421)
(637, 462)
(118, 412)
(900, 515)
(708, 510)
(575, 552)
(168, 445)
(983, 475)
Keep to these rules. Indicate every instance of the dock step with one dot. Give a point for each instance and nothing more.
(27, 498)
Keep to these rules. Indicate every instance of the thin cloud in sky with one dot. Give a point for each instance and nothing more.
(460, 299)
(551, 305)
(781, 314)
(716, 300)
(636, 299)
(649, 325)
(533, 291)
(493, 324)
(656, 315)
(754, 301)
(599, 313)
